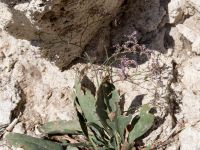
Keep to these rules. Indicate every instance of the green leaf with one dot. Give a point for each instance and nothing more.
(99, 134)
(62, 127)
(143, 125)
(31, 143)
(148, 147)
(72, 148)
(122, 122)
(109, 96)
(80, 144)
(87, 102)
(114, 102)
(107, 105)
(113, 143)
(101, 109)
(81, 118)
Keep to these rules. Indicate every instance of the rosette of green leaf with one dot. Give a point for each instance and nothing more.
(100, 120)
(108, 110)
(85, 104)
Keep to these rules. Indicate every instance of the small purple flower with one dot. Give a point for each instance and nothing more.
(124, 66)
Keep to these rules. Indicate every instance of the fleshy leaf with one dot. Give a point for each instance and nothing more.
(81, 118)
(102, 109)
(99, 133)
(62, 127)
(114, 102)
(122, 122)
(143, 125)
(31, 143)
(108, 105)
(72, 148)
(87, 102)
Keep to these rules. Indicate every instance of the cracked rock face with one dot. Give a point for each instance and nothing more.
(61, 28)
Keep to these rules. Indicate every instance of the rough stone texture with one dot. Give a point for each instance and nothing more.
(146, 14)
(191, 70)
(196, 46)
(189, 139)
(143, 16)
(19, 128)
(10, 97)
(178, 43)
(31, 85)
(173, 147)
(61, 28)
(195, 4)
(175, 11)
(190, 34)
(191, 106)
(5, 15)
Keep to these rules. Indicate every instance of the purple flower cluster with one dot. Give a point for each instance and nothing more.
(125, 63)
(131, 46)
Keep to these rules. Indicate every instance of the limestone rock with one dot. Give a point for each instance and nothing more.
(195, 4)
(191, 71)
(3, 146)
(176, 37)
(31, 85)
(5, 16)
(9, 99)
(189, 139)
(141, 16)
(173, 147)
(19, 128)
(191, 106)
(196, 46)
(175, 11)
(61, 28)
(145, 14)
(190, 34)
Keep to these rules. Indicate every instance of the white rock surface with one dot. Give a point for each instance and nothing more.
(31, 81)
(196, 46)
(9, 99)
(189, 139)
(5, 16)
(173, 147)
(191, 71)
(175, 11)
(61, 28)
(19, 128)
(3, 146)
(191, 106)
(195, 4)
(190, 34)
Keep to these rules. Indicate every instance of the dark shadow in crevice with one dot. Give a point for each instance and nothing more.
(124, 26)
(135, 104)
